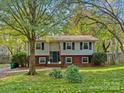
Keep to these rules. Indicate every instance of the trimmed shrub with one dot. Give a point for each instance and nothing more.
(19, 58)
(14, 65)
(72, 74)
(99, 58)
(55, 73)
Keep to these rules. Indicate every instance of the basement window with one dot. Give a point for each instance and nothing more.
(84, 59)
(42, 60)
(68, 59)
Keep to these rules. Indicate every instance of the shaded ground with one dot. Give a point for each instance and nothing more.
(5, 70)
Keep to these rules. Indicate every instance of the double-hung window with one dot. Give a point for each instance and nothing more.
(68, 59)
(40, 45)
(84, 59)
(85, 45)
(42, 60)
(68, 46)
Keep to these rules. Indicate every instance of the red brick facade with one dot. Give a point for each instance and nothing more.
(76, 60)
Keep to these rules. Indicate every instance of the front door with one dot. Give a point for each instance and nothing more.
(54, 56)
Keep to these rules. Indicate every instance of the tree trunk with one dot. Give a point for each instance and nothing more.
(32, 70)
(105, 46)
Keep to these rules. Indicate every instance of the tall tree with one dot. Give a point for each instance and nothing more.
(79, 24)
(12, 40)
(106, 13)
(31, 18)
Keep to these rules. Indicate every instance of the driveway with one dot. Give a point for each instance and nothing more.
(18, 70)
(5, 70)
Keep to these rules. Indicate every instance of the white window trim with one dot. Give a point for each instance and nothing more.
(40, 46)
(66, 60)
(71, 45)
(83, 45)
(42, 62)
(84, 57)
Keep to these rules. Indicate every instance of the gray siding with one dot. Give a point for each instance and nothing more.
(58, 46)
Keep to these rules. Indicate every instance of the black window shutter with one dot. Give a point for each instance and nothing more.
(81, 60)
(64, 46)
(81, 45)
(73, 46)
(90, 45)
(42, 46)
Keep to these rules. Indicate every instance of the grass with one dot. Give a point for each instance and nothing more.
(103, 69)
(95, 80)
(1, 65)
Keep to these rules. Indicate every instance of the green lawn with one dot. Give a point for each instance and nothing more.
(96, 80)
